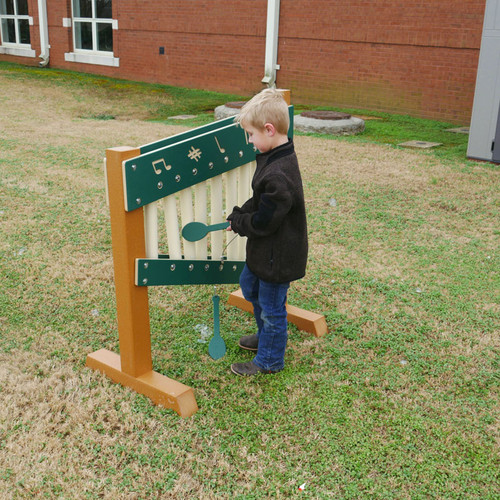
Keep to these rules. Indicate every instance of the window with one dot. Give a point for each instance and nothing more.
(15, 22)
(93, 27)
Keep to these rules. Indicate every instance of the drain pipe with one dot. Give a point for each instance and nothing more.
(44, 33)
(273, 21)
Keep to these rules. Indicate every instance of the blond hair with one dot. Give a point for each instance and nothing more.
(268, 106)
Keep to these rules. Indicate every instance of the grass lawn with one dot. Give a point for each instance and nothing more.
(400, 399)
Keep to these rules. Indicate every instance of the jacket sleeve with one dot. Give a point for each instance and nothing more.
(246, 207)
(273, 205)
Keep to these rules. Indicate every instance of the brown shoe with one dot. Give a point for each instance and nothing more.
(249, 342)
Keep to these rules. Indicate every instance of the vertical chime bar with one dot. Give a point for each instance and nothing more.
(151, 230)
(200, 215)
(172, 227)
(244, 193)
(231, 179)
(186, 205)
(216, 238)
(106, 181)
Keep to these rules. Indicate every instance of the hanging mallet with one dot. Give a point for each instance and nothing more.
(217, 346)
(195, 231)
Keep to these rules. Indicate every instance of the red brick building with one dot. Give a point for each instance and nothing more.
(412, 57)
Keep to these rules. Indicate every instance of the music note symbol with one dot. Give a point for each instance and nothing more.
(160, 162)
(222, 150)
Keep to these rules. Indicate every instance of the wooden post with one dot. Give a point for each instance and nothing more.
(133, 367)
(304, 320)
(287, 95)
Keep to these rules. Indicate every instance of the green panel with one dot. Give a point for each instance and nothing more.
(164, 171)
(175, 163)
(165, 271)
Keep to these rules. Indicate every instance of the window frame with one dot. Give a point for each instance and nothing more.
(94, 21)
(16, 17)
(90, 56)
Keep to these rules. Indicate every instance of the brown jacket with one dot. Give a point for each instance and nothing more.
(274, 219)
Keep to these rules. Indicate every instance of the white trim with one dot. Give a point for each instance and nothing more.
(30, 20)
(16, 51)
(92, 59)
(114, 24)
(66, 22)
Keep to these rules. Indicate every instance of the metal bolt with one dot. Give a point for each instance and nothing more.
(195, 171)
(160, 185)
(226, 159)
(191, 267)
(241, 154)
(177, 178)
(234, 267)
(211, 165)
(134, 168)
(145, 281)
(207, 267)
(138, 201)
(146, 265)
(172, 267)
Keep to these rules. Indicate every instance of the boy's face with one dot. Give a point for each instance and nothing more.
(261, 139)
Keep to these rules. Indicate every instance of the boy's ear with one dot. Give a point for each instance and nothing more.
(270, 129)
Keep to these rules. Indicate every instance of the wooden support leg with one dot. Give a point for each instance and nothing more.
(162, 390)
(303, 320)
(133, 367)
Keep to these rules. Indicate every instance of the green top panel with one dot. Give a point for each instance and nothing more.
(183, 160)
(161, 172)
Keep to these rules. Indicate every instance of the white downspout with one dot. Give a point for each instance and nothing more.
(273, 21)
(44, 33)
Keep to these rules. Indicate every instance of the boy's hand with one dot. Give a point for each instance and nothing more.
(229, 228)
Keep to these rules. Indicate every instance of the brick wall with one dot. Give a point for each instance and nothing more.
(413, 56)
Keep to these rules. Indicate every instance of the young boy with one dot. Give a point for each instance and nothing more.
(274, 220)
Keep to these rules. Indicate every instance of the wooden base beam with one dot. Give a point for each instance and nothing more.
(302, 319)
(162, 390)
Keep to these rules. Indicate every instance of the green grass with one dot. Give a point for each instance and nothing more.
(393, 129)
(399, 400)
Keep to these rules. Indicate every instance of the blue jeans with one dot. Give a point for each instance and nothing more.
(269, 308)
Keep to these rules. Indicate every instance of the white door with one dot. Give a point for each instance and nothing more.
(485, 112)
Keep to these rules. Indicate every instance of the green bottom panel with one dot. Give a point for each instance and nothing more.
(165, 271)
